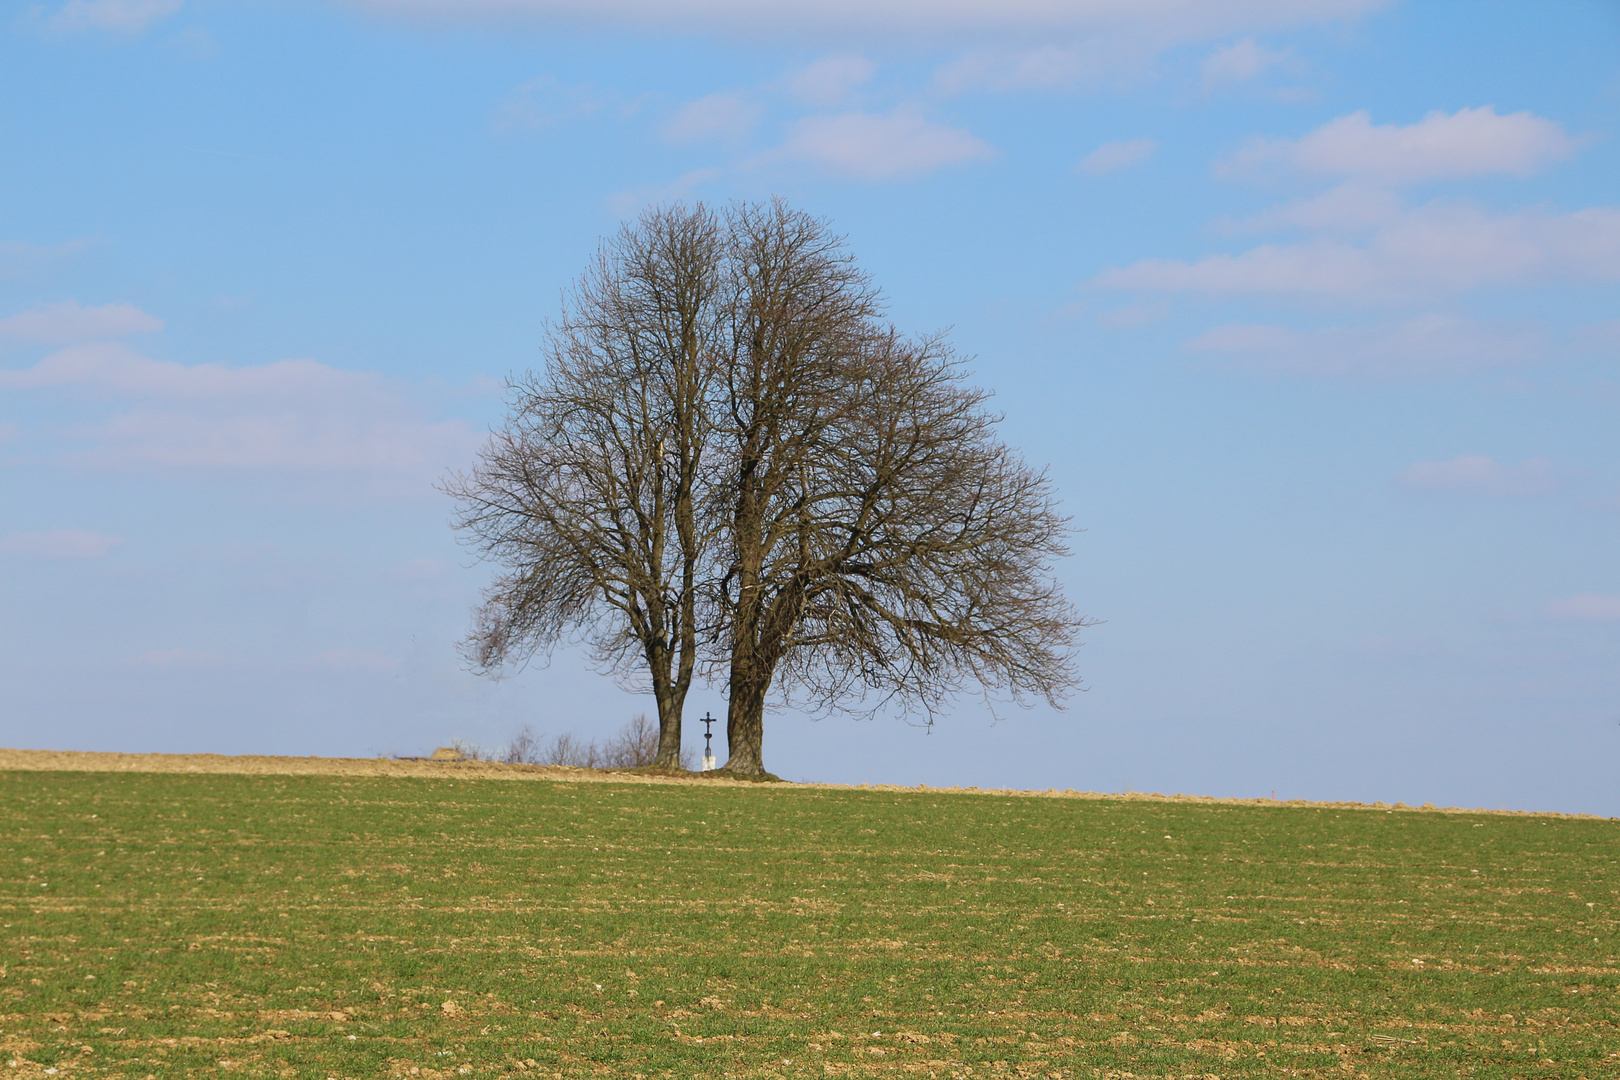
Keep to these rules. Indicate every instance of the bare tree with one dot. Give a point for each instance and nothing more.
(570, 750)
(524, 749)
(732, 459)
(881, 538)
(587, 495)
(635, 746)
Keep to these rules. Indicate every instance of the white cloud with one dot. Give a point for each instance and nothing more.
(1133, 315)
(1090, 59)
(1171, 21)
(1363, 243)
(1350, 207)
(1239, 62)
(193, 43)
(722, 117)
(1468, 142)
(289, 415)
(1587, 607)
(314, 440)
(1411, 254)
(543, 102)
(1476, 474)
(60, 544)
(61, 324)
(20, 259)
(114, 368)
(119, 16)
(1116, 155)
(628, 203)
(1046, 67)
(828, 82)
(873, 147)
(1428, 345)
(1014, 44)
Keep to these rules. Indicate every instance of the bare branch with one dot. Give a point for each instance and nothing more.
(731, 466)
(882, 542)
(587, 496)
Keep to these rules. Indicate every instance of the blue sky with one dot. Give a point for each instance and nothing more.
(1313, 309)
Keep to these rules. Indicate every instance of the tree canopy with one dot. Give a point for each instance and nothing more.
(733, 468)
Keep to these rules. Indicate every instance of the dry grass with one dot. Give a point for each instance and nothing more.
(269, 765)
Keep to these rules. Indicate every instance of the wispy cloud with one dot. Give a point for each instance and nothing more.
(1362, 243)
(544, 102)
(871, 146)
(21, 259)
(828, 82)
(1112, 156)
(1586, 607)
(1141, 313)
(1051, 67)
(1348, 208)
(1475, 474)
(725, 117)
(115, 368)
(1409, 254)
(1168, 21)
(289, 415)
(1239, 62)
(61, 324)
(60, 544)
(1423, 346)
(1468, 142)
(117, 16)
(627, 203)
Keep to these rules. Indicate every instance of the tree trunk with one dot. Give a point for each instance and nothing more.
(670, 705)
(745, 720)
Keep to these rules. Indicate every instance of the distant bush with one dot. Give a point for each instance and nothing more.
(635, 745)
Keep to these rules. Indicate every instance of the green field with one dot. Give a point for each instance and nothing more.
(170, 925)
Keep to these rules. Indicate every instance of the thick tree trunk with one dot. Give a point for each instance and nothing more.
(745, 720)
(670, 705)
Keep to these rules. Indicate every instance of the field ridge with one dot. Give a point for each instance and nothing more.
(277, 765)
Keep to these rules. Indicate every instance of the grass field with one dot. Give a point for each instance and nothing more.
(168, 925)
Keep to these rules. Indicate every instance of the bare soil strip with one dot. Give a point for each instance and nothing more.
(95, 761)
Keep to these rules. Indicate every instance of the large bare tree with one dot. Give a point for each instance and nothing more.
(733, 467)
(882, 541)
(588, 496)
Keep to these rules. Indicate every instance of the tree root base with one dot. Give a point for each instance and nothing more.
(712, 774)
